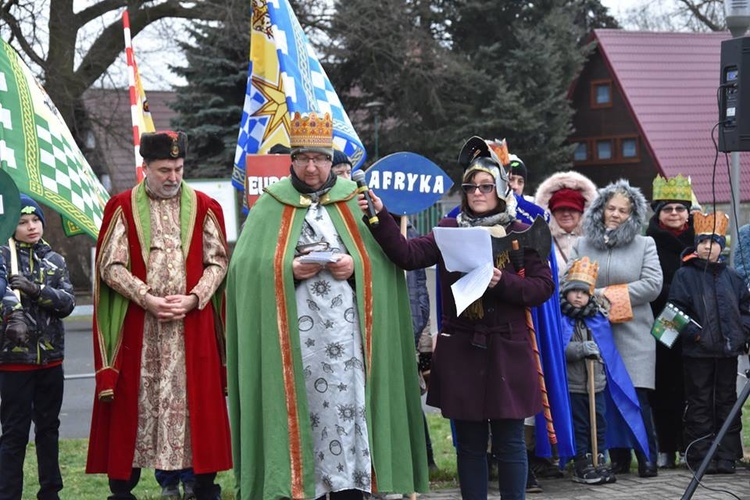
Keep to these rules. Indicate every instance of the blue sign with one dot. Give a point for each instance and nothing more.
(407, 182)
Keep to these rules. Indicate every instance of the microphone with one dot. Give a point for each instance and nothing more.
(359, 177)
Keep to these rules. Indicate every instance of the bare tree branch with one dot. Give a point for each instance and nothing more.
(98, 9)
(110, 43)
(696, 10)
(15, 29)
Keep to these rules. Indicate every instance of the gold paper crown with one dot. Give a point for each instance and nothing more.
(673, 188)
(716, 223)
(585, 271)
(311, 131)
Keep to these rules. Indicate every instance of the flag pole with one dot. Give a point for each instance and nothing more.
(139, 112)
(14, 262)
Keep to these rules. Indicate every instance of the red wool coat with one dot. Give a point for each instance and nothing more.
(114, 424)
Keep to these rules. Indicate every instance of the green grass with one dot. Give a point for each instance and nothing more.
(81, 486)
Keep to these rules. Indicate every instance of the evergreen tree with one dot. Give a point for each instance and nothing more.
(209, 106)
(395, 52)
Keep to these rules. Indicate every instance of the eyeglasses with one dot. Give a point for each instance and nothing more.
(679, 209)
(483, 188)
(318, 161)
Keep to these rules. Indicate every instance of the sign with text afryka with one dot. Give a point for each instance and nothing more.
(407, 182)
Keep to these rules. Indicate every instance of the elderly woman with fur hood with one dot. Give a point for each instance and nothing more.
(566, 195)
(630, 277)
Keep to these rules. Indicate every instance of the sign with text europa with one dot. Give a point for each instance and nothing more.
(262, 171)
(407, 182)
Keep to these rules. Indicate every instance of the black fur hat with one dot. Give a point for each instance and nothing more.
(163, 145)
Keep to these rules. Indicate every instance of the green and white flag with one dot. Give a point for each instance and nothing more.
(669, 324)
(39, 153)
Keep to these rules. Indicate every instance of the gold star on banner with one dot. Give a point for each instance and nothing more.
(275, 106)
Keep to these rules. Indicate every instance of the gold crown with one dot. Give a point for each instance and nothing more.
(311, 131)
(585, 271)
(716, 223)
(673, 188)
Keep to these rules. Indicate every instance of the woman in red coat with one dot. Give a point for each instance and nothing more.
(483, 369)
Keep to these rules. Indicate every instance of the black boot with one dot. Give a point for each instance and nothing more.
(121, 488)
(646, 468)
(620, 458)
(205, 488)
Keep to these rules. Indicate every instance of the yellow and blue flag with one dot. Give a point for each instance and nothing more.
(285, 76)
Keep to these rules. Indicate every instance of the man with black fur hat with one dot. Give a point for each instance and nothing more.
(158, 344)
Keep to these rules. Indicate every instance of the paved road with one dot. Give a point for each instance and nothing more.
(75, 416)
(669, 485)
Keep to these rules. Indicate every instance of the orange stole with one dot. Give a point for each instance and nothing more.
(292, 410)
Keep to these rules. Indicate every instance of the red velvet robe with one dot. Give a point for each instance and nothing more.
(114, 424)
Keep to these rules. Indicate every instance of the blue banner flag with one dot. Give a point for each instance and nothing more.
(285, 76)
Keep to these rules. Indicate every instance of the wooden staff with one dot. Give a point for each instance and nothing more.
(592, 411)
(546, 411)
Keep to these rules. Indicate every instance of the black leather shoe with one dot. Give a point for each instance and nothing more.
(620, 467)
(647, 469)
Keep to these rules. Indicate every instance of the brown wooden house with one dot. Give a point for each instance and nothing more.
(646, 104)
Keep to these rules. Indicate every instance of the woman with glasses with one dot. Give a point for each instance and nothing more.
(672, 230)
(483, 369)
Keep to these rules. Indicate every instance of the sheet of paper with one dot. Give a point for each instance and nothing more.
(471, 286)
(464, 248)
(319, 257)
(467, 250)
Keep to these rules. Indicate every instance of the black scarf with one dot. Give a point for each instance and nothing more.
(586, 311)
(315, 194)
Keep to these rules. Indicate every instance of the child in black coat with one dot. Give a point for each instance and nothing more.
(716, 298)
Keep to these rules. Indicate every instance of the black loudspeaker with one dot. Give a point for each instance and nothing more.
(734, 105)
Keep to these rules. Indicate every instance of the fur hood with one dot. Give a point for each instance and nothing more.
(560, 180)
(593, 218)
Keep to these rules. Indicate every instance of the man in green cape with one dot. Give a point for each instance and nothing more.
(323, 389)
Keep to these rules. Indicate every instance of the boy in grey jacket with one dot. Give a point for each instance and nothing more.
(582, 312)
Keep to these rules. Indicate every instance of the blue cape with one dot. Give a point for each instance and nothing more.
(625, 428)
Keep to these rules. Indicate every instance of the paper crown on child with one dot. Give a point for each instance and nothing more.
(672, 188)
(715, 223)
(581, 274)
(311, 133)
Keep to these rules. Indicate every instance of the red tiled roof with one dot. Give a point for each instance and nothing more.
(670, 81)
(109, 111)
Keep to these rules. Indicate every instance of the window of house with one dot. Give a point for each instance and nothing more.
(601, 93)
(629, 148)
(604, 150)
(581, 152)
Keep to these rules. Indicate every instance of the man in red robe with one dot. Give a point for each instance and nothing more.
(158, 335)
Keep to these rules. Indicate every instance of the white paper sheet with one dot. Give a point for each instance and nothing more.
(467, 250)
(319, 257)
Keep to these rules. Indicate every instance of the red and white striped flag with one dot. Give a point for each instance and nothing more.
(139, 112)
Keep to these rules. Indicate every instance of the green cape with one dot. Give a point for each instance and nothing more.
(271, 439)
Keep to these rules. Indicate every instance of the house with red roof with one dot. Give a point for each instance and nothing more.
(646, 104)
